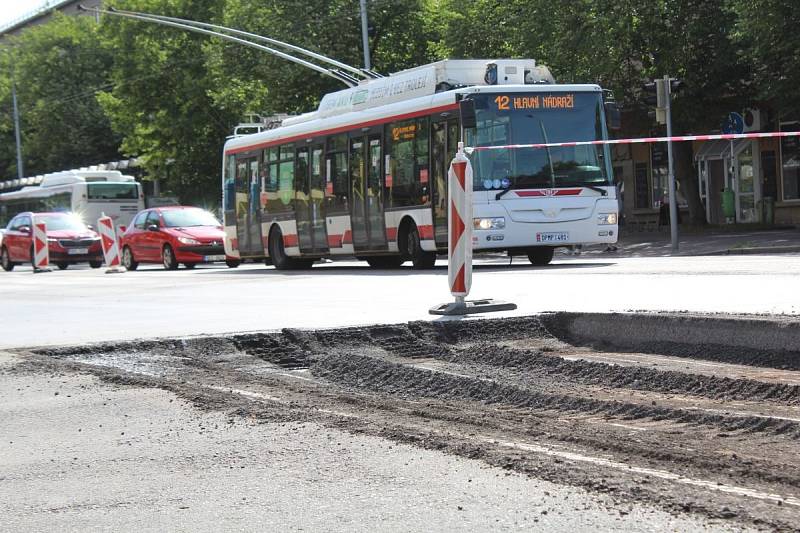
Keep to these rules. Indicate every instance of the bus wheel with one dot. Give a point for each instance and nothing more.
(419, 257)
(277, 252)
(127, 260)
(168, 258)
(541, 255)
(385, 261)
(5, 260)
(62, 266)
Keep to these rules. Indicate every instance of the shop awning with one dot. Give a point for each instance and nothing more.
(719, 149)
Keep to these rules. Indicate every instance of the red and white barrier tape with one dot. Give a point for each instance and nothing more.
(680, 138)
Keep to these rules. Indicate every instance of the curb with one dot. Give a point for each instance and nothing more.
(754, 250)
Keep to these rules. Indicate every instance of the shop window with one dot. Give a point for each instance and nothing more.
(641, 187)
(790, 161)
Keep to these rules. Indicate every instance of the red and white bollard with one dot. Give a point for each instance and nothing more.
(459, 243)
(105, 226)
(41, 251)
(459, 213)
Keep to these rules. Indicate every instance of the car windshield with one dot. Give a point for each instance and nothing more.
(62, 223)
(533, 118)
(182, 218)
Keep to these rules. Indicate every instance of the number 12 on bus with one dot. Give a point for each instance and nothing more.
(366, 174)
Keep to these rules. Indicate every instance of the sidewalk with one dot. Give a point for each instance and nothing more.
(712, 241)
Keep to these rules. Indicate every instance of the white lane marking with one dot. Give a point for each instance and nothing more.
(662, 474)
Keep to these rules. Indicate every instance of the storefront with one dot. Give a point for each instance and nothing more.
(787, 208)
(729, 189)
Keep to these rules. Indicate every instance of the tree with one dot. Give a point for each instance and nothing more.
(58, 67)
(160, 100)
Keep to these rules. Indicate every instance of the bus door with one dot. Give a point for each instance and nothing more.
(366, 192)
(309, 198)
(445, 137)
(248, 207)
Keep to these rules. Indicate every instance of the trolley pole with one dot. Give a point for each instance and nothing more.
(20, 170)
(673, 200)
(364, 34)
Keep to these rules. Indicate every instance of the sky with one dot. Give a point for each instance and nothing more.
(12, 9)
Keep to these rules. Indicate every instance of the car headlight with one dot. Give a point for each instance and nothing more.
(606, 219)
(489, 223)
(188, 240)
(51, 240)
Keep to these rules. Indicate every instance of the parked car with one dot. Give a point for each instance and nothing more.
(173, 235)
(69, 241)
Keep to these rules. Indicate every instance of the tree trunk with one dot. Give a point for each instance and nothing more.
(686, 176)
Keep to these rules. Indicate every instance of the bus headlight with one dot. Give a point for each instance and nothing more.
(606, 219)
(188, 240)
(489, 223)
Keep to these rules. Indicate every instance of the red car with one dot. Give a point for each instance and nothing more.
(69, 241)
(173, 235)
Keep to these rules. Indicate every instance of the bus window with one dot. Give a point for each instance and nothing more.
(407, 179)
(286, 174)
(337, 182)
(112, 191)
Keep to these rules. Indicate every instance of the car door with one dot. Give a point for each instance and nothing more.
(23, 239)
(152, 240)
(135, 234)
(12, 237)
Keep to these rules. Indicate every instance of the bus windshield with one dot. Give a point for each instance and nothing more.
(183, 218)
(112, 191)
(532, 118)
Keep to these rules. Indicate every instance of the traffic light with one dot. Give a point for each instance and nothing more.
(656, 95)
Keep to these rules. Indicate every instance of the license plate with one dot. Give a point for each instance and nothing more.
(78, 251)
(214, 258)
(553, 237)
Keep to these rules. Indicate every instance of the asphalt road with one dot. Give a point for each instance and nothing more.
(81, 305)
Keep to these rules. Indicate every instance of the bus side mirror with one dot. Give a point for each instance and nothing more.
(613, 116)
(467, 110)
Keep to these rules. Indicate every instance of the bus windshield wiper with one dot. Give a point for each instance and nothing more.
(598, 189)
(501, 193)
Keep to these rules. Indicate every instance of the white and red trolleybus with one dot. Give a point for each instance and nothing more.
(366, 174)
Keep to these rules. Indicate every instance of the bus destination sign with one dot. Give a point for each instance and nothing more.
(553, 101)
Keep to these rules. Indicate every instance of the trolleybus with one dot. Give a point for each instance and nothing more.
(86, 193)
(365, 175)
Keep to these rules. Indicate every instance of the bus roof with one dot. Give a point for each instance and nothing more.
(313, 124)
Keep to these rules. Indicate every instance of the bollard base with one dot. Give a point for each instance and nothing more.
(116, 270)
(471, 306)
(37, 270)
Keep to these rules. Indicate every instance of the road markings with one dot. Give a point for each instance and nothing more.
(662, 474)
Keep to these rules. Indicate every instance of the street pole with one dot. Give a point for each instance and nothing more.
(364, 34)
(20, 170)
(673, 200)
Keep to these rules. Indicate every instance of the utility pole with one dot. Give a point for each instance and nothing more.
(20, 170)
(673, 200)
(364, 34)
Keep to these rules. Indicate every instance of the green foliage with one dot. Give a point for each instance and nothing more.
(57, 67)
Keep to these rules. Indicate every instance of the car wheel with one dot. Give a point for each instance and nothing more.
(168, 258)
(62, 266)
(419, 257)
(541, 256)
(190, 265)
(385, 261)
(5, 260)
(98, 264)
(127, 259)
(232, 263)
